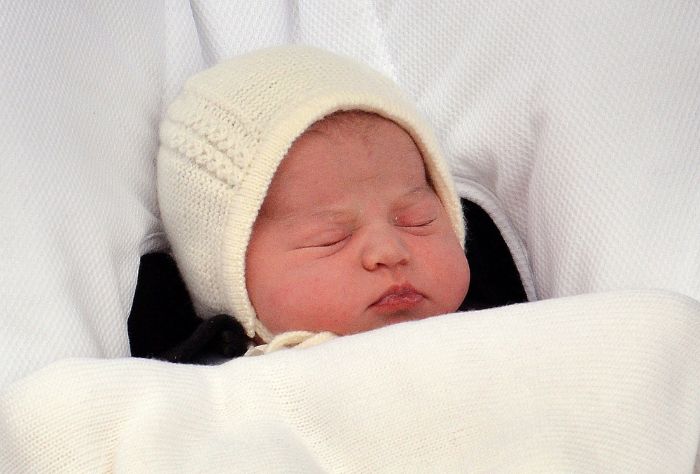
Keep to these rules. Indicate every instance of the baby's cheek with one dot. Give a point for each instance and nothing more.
(275, 306)
(452, 272)
(460, 279)
(293, 303)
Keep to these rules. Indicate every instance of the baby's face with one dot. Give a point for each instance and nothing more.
(351, 236)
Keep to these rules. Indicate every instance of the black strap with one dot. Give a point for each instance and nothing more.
(163, 324)
(221, 335)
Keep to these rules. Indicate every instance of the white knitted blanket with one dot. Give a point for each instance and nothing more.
(597, 383)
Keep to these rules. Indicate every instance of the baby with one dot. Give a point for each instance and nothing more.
(302, 194)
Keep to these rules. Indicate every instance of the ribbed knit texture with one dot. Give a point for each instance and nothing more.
(597, 383)
(223, 139)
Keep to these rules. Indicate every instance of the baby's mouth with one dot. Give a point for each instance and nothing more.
(398, 298)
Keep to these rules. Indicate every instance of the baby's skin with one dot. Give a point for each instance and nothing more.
(351, 235)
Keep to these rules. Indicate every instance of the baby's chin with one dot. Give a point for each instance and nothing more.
(388, 318)
(401, 317)
(375, 317)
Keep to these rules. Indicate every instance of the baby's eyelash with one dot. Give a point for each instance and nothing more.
(326, 243)
(426, 223)
(419, 223)
(331, 244)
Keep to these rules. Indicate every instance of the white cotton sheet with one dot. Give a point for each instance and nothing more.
(595, 383)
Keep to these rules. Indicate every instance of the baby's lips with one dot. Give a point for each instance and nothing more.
(397, 298)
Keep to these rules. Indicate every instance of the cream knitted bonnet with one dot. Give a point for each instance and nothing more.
(225, 135)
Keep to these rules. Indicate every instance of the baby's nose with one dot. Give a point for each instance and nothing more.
(384, 247)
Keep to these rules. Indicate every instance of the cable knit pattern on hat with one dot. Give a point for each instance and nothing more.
(225, 135)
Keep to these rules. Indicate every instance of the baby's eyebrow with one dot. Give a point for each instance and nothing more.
(414, 193)
(341, 216)
(333, 215)
(321, 216)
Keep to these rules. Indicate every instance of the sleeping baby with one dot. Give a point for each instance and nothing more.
(302, 194)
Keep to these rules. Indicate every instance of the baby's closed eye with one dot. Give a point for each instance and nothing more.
(418, 216)
(325, 240)
(414, 221)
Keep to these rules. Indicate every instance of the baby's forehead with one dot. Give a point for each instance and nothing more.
(346, 137)
(340, 153)
(362, 123)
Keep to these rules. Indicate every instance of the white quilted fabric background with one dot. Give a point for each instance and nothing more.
(575, 124)
(80, 88)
